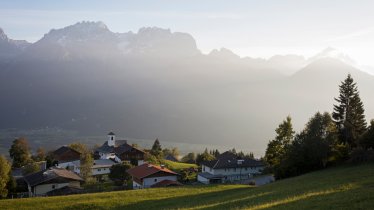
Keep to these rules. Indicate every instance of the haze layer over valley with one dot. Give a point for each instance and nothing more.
(156, 83)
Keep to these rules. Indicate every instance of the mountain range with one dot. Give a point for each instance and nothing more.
(157, 84)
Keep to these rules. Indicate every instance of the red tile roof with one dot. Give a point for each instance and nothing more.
(167, 183)
(142, 171)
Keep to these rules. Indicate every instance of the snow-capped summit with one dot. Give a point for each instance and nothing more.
(333, 53)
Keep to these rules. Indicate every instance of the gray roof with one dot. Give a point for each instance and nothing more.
(101, 163)
(105, 148)
(120, 147)
(120, 142)
(50, 175)
(210, 176)
(67, 190)
(231, 160)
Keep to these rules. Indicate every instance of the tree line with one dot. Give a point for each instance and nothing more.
(327, 139)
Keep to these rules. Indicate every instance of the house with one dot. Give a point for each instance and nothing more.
(65, 156)
(43, 182)
(100, 167)
(149, 175)
(228, 167)
(119, 151)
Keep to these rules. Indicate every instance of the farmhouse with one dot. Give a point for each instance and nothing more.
(148, 175)
(65, 156)
(120, 151)
(228, 167)
(100, 167)
(45, 182)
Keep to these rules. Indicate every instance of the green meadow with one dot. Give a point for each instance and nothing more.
(344, 187)
(177, 166)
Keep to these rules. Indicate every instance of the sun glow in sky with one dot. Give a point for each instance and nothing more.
(247, 27)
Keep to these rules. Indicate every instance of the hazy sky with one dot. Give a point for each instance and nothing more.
(250, 28)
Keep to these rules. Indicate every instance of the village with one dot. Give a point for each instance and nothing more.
(118, 165)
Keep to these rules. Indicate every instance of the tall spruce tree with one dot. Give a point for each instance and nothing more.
(156, 149)
(348, 114)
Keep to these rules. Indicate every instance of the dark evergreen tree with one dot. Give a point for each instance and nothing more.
(349, 113)
(278, 146)
(311, 149)
(240, 154)
(156, 149)
(216, 153)
(367, 140)
(205, 156)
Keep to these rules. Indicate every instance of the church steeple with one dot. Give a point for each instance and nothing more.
(111, 139)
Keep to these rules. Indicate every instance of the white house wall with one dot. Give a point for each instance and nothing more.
(100, 171)
(148, 182)
(95, 171)
(65, 165)
(232, 171)
(136, 185)
(44, 188)
(202, 179)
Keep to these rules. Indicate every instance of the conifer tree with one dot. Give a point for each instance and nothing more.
(156, 149)
(277, 147)
(348, 114)
(367, 140)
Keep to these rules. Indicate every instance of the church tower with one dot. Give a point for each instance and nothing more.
(111, 139)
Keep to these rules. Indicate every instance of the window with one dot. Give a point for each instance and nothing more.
(155, 180)
(99, 169)
(111, 138)
(53, 186)
(234, 169)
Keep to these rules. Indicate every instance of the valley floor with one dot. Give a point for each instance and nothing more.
(348, 187)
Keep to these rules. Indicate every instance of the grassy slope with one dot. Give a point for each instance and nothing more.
(350, 187)
(177, 166)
